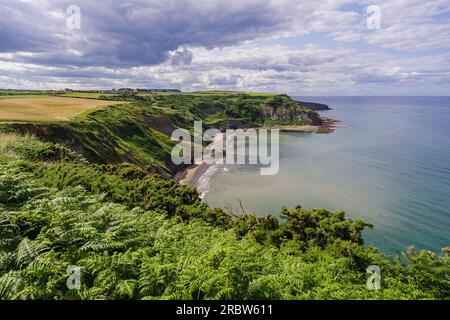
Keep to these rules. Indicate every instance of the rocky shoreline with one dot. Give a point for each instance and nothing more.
(328, 126)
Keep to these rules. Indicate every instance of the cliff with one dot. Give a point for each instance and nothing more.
(314, 106)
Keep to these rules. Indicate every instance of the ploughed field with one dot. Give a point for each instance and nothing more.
(46, 108)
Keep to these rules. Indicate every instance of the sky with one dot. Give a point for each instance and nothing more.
(298, 47)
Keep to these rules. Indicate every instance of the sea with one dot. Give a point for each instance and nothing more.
(388, 163)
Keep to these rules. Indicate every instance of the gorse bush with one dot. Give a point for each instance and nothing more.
(151, 192)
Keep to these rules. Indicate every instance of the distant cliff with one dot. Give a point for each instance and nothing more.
(288, 113)
(314, 106)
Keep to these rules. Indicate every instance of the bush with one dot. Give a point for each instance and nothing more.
(128, 252)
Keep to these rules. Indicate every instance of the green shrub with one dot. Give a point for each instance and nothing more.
(127, 252)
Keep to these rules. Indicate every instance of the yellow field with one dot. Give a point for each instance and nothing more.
(45, 108)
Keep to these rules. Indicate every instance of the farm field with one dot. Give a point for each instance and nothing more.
(87, 95)
(46, 108)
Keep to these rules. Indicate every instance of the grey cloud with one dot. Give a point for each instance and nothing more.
(183, 56)
(222, 80)
(136, 33)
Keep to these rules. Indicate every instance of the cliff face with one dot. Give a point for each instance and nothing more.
(290, 114)
(314, 106)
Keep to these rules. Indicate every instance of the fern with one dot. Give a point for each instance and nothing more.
(126, 289)
(10, 284)
(158, 251)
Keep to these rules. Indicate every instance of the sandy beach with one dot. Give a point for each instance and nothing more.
(191, 175)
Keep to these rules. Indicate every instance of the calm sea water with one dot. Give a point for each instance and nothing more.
(388, 163)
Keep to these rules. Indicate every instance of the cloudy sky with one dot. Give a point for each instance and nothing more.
(299, 47)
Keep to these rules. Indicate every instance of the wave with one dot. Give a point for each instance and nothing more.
(204, 182)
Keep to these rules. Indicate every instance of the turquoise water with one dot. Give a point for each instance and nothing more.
(388, 163)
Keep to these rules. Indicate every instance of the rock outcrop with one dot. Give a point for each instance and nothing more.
(288, 112)
(315, 106)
